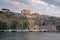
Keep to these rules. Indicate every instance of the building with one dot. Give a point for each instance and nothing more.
(51, 27)
(34, 23)
(25, 12)
(34, 27)
(35, 15)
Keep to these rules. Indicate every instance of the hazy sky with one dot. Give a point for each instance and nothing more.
(47, 7)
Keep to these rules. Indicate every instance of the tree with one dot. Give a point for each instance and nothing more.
(3, 26)
(58, 28)
(25, 25)
(14, 24)
(5, 10)
(53, 18)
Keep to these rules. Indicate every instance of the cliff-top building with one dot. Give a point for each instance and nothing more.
(25, 12)
(35, 15)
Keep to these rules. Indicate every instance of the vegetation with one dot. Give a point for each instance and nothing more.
(3, 26)
(14, 24)
(25, 25)
(53, 18)
(5, 10)
(58, 28)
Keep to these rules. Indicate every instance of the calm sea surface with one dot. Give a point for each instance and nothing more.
(29, 36)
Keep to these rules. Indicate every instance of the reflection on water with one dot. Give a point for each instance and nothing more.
(29, 36)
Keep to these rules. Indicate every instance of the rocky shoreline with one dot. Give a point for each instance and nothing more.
(26, 31)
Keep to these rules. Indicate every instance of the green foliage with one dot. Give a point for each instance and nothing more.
(4, 9)
(14, 24)
(53, 18)
(3, 26)
(25, 25)
(58, 28)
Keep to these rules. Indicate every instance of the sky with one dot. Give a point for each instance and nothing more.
(46, 7)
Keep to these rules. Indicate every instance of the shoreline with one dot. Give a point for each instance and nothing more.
(26, 31)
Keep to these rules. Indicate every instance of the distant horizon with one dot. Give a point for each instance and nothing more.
(45, 7)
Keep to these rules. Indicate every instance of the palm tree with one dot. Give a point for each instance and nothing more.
(5, 10)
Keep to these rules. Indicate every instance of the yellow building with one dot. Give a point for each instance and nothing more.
(35, 15)
(34, 27)
(25, 12)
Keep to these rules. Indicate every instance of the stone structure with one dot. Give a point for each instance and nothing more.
(35, 15)
(25, 12)
(35, 27)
